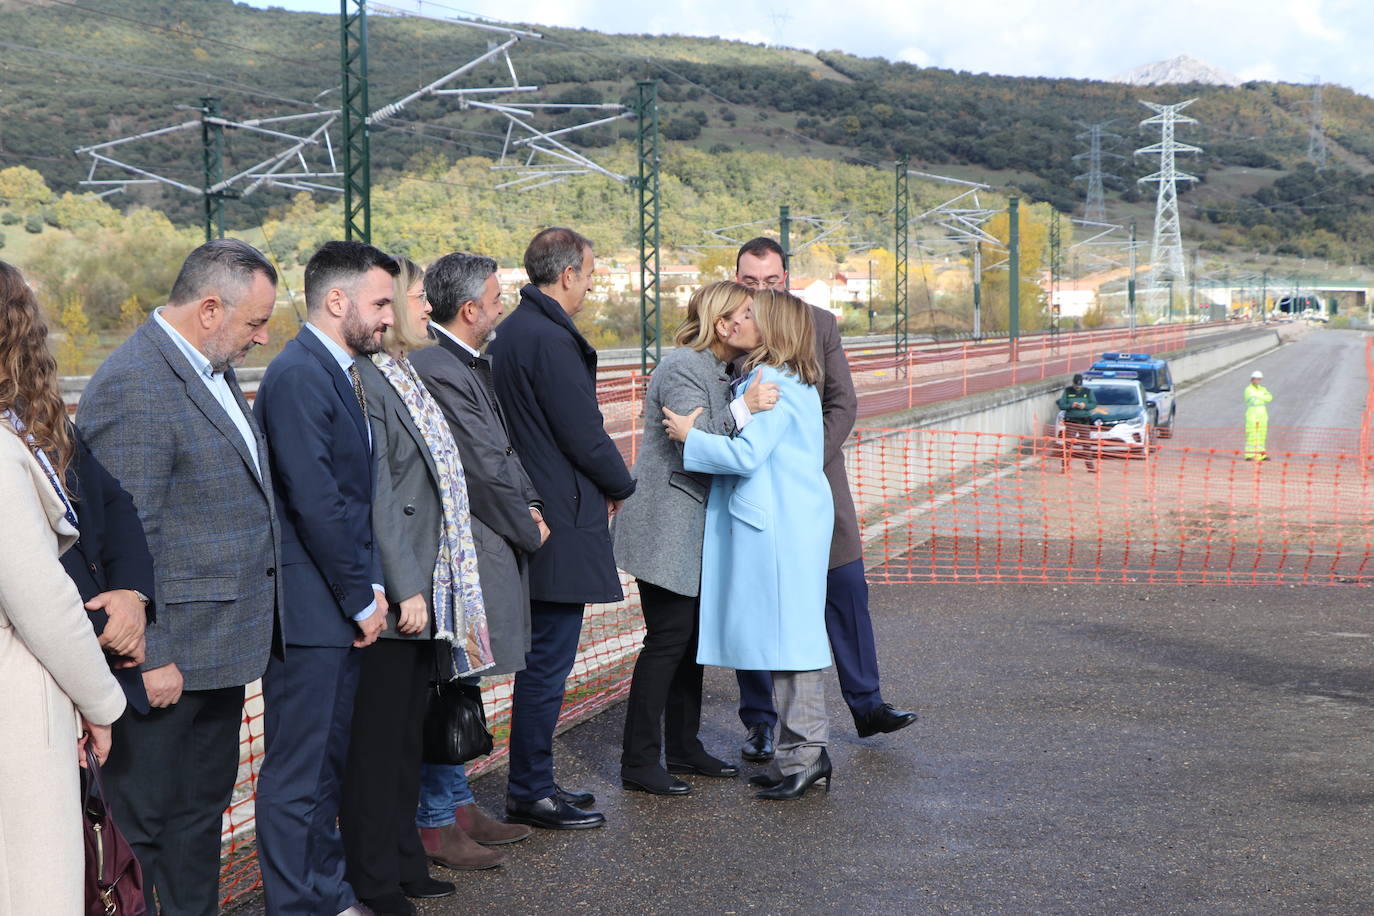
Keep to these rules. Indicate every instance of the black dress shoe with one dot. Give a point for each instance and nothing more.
(576, 799)
(654, 781)
(428, 888)
(389, 905)
(795, 786)
(882, 720)
(552, 813)
(705, 765)
(758, 746)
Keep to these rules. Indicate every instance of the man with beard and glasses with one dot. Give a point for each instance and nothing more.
(312, 406)
(165, 416)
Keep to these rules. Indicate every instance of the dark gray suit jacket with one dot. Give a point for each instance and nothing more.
(840, 408)
(407, 511)
(206, 508)
(499, 492)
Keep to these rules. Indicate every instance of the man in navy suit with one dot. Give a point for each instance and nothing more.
(312, 407)
(545, 377)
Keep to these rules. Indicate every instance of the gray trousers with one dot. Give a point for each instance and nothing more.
(803, 726)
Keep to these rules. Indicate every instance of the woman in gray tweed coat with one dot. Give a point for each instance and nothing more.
(658, 536)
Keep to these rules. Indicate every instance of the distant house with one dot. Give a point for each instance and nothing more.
(818, 293)
(679, 281)
(512, 280)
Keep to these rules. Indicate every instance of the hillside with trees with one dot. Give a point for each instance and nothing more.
(745, 128)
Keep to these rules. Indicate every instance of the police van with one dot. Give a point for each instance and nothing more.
(1153, 375)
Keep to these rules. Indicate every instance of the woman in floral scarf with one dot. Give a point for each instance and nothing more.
(437, 622)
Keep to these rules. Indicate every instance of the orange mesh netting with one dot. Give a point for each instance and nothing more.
(941, 506)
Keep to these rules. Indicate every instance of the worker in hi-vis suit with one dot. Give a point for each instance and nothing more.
(1256, 417)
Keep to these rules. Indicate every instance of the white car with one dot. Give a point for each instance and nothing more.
(1121, 422)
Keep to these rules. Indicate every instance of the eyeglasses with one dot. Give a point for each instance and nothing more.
(756, 283)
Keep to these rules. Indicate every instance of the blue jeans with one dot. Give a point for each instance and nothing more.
(442, 788)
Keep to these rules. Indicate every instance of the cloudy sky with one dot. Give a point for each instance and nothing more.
(1291, 40)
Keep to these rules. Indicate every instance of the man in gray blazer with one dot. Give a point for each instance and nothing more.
(165, 415)
(507, 522)
(762, 264)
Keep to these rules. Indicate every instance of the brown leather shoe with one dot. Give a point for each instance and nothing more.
(483, 829)
(452, 848)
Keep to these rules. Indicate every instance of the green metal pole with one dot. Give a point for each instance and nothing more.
(1014, 272)
(650, 315)
(899, 290)
(357, 158)
(1264, 294)
(1055, 254)
(870, 297)
(785, 231)
(1192, 287)
(212, 157)
(1130, 283)
(977, 290)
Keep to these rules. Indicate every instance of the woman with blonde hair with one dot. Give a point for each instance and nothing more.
(423, 532)
(767, 541)
(60, 696)
(658, 539)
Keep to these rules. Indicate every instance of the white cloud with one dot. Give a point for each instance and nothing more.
(914, 55)
(1274, 39)
(1307, 16)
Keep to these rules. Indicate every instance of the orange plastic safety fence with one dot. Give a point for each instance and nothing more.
(611, 637)
(967, 507)
(887, 484)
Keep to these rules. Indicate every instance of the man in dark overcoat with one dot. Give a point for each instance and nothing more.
(545, 377)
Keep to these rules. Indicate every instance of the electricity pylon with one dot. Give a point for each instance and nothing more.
(1166, 249)
(1316, 138)
(1095, 208)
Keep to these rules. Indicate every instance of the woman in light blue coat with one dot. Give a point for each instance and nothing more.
(768, 525)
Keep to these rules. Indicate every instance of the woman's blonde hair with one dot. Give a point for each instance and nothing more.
(708, 304)
(788, 336)
(403, 336)
(28, 372)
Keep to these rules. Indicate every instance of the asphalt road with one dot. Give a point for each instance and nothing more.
(1086, 749)
(1318, 382)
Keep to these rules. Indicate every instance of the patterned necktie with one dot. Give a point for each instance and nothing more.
(357, 381)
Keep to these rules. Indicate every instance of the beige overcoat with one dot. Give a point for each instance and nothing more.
(50, 667)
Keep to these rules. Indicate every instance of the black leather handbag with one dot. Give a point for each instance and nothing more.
(455, 724)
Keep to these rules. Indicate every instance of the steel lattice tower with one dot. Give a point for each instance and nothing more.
(1166, 250)
(1095, 207)
(1316, 138)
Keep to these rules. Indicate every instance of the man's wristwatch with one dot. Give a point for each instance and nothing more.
(140, 596)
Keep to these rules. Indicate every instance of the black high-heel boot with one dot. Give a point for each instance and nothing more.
(795, 786)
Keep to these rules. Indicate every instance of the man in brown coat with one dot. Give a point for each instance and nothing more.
(762, 264)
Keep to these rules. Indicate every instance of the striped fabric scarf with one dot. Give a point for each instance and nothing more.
(46, 464)
(460, 617)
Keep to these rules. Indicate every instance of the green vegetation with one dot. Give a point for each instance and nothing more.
(746, 128)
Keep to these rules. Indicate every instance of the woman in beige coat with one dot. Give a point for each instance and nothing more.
(58, 692)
